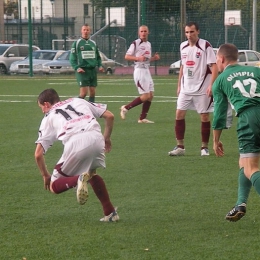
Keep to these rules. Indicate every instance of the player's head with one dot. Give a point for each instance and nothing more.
(85, 31)
(143, 32)
(192, 32)
(227, 54)
(47, 99)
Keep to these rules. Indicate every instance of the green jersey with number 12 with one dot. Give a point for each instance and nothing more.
(238, 84)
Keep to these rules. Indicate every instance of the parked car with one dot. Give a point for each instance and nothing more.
(38, 59)
(59, 66)
(62, 65)
(10, 53)
(245, 57)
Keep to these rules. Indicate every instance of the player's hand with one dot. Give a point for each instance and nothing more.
(108, 145)
(101, 69)
(80, 70)
(209, 91)
(218, 149)
(46, 181)
(156, 56)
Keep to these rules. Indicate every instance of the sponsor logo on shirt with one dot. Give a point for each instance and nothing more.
(190, 63)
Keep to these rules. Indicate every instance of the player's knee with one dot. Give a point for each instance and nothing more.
(53, 188)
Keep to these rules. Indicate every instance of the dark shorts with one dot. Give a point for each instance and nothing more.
(248, 131)
(87, 79)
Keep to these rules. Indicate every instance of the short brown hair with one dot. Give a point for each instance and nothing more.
(229, 51)
(49, 95)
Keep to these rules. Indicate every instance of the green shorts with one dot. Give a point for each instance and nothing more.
(88, 78)
(248, 131)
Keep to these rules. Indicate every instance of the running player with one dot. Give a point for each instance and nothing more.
(73, 121)
(84, 59)
(140, 52)
(241, 86)
(197, 74)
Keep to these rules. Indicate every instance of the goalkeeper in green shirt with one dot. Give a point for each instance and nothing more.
(85, 58)
(239, 85)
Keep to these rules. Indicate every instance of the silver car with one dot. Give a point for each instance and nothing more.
(39, 58)
(62, 65)
(10, 53)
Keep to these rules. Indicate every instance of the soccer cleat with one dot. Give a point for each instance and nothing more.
(123, 112)
(113, 217)
(145, 121)
(82, 188)
(177, 151)
(236, 213)
(204, 152)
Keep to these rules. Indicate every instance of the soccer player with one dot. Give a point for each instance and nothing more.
(197, 74)
(73, 122)
(84, 59)
(140, 52)
(241, 86)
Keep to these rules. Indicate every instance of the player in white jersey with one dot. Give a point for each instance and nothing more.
(197, 74)
(140, 52)
(73, 121)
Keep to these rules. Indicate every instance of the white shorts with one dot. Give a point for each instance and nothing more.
(200, 103)
(143, 80)
(82, 152)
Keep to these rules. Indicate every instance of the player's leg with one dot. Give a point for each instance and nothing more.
(137, 101)
(69, 167)
(184, 103)
(83, 91)
(146, 97)
(249, 147)
(92, 94)
(244, 187)
(97, 183)
(93, 85)
(83, 83)
(205, 133)
(204, 106)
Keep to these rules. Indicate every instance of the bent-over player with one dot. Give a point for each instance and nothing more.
(73, 122)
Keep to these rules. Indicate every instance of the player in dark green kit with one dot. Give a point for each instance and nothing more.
(241, 86)
(84, 59)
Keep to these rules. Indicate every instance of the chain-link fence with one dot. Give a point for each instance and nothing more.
(56, 23)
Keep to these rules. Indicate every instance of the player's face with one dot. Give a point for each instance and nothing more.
(192, 34)
(85, 32)
(143, 33)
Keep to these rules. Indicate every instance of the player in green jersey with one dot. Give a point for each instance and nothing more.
(241, 86)
(84, 58)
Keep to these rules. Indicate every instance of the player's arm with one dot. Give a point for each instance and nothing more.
(74, 57)
(99, 60)
(214, 75)
(179, 80)
(40, 161)
(155, 57)
(217, 144)
(134, 58)
(109, 123)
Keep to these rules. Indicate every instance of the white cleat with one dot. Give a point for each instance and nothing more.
(145, 121)
(123, 112)
(113, 217)
(204, 152)
(177, 151)
(82, 188)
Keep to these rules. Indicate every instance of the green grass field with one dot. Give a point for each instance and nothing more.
(169, 208)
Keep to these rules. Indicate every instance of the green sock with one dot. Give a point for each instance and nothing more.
(91, 99)
(255, 179)
(244, 187)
